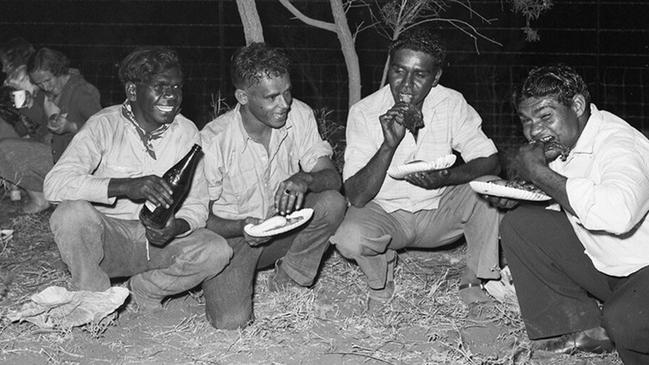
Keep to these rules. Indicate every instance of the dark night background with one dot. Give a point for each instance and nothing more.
(607, 41)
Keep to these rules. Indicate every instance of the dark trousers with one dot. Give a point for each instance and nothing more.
(558, 287)
(228, 296)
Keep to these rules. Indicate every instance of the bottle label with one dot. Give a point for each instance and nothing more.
(150, 205)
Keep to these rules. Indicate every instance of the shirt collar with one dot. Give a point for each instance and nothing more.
(147, 138)
(275, 133)
(586, 141)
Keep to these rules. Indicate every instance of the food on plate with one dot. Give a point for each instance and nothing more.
(278, 221)
(518, 184)
(272, 223)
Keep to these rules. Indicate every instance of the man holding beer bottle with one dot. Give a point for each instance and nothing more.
(112, 168)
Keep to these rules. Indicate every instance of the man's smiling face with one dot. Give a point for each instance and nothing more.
(157, 101)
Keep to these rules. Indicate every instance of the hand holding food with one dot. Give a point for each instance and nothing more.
(413, 119)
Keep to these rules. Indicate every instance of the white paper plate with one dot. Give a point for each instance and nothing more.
(485, 187)
(261, 229)
(400, 172)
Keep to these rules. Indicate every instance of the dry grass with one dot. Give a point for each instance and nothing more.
(425, 323)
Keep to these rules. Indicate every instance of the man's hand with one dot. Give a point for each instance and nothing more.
(392, 125)
(529, 158)
(434, 179)
(161, 237)
(289, 195)
(501, 203)
(253, 241)
(59, 124)
(152, 188)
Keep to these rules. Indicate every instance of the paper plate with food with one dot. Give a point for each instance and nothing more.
(512, 189)
(401, 171)
(279, 224)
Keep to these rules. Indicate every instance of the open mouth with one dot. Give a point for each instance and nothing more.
(405, 98)
(165, 108)
(545, 139)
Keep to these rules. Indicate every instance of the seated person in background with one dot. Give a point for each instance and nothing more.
(32, 121)
(262, 158)
(25, 151)
(427, 209)
(69, 99)
(580, 272)
(111, 167)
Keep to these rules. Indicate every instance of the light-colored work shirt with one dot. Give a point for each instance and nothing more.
(450, 123)
(108, 146)
(242, 177)
(608, 188)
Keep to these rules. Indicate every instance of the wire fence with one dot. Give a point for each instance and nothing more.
(608, 44)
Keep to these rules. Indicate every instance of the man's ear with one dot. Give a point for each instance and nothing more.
(579, 104)
(241, 96)
(437, 77)
(131, 90)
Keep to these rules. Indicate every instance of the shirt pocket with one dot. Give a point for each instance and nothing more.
(241, 184)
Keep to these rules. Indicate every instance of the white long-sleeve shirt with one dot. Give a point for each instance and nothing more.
(108, 146)
(608, 188)
(450, 123)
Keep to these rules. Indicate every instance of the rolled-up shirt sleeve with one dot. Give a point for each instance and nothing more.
(212, 166)
(469, 138)
(360, 148)
(310, 144)
(71, 178)
(195, 207)
(619, 199)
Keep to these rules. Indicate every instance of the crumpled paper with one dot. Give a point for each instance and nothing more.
(57, 307)
(503, 290)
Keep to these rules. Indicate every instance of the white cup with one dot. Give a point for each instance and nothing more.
(20, 98)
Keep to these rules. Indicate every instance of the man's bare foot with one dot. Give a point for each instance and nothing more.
(37, 202)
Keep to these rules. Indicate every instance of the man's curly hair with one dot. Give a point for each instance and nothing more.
(144, 63)
(422, 39)
(559, 81)
(255, 61)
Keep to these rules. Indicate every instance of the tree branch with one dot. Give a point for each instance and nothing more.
(306, 19)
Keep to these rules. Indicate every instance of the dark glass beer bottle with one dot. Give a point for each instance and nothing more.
(179, 178)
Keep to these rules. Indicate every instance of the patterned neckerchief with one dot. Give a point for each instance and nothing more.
(146, 137)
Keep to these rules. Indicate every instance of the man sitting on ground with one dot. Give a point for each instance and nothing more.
(416, 118)
(111, 168)
(581, 270)
(262, 158)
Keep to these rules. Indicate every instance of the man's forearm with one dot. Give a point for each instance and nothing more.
(226, 228)
(554, 185)
(366, 183)
(327, 179)
(473, 169)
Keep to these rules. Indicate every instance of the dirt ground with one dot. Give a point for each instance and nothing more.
(425, 323)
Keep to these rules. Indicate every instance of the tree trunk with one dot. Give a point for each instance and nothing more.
(349, 51)
(252, 29)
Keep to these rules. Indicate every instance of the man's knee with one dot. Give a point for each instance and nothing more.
(231, 319)
(349, 238)
(212, 251)
(624, 325)
(330, 208)
(79, 213)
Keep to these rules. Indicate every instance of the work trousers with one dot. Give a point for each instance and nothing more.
(96, 248)
(371, 236)
(228, 296)
(560, 291)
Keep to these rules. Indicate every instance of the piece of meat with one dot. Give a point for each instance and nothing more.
(413, 119)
